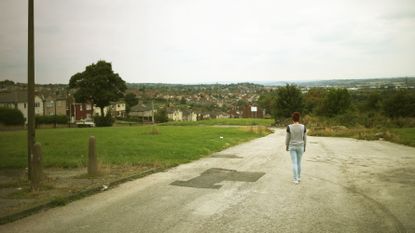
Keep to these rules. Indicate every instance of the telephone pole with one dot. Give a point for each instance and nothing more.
(30, 88)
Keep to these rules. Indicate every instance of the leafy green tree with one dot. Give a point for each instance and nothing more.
(98, 84)
(289, 100)
(130, 101)
(400, 104)
(335, 102)
(267, 101)
(313, 99)
(161, 116)
(6, 83)
(242, 103)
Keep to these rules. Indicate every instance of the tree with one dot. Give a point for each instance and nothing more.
(336, 101)
(161, 116)
(374, 102)
(400, 104)
(98, 84)
(313, 99)
(6, 83)
(130, 101)
(289, 100)
(267, 101)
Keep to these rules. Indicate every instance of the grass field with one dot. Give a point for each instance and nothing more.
(226, 121)
(138, 145)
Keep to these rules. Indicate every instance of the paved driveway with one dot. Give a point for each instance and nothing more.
(347, 186)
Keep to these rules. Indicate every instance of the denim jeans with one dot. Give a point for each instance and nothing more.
(296, 153)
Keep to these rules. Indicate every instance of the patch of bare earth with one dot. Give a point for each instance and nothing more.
(57, 184)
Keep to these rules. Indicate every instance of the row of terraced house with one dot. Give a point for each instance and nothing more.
(58, 105)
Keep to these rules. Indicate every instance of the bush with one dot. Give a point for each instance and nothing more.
(60, 119)
(335, 102)
(400, 104)
(9, 116)
(104, 121)
(347, 119)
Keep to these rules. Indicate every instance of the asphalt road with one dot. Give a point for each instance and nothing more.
(347, 186)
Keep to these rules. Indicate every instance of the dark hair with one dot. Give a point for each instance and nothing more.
(296, 116)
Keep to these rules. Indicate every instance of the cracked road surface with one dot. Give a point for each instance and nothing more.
(347, 186)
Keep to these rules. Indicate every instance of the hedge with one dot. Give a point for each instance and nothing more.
(10, 116)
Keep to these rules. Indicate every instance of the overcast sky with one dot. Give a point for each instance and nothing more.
(209, 41)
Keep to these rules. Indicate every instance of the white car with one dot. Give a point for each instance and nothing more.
(84, 123)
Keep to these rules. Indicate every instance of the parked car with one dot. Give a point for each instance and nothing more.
(85, 123)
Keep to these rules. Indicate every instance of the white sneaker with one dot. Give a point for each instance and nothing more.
(296, 182)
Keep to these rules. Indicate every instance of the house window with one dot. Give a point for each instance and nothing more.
(37, 104)
(80, 107)
(24, 105)
(88, 107)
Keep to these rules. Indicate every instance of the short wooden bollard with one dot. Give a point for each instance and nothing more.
(92, 157)
(36, 167)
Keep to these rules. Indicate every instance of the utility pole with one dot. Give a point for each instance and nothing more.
(31, 88)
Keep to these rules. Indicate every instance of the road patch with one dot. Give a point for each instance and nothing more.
(212, 176)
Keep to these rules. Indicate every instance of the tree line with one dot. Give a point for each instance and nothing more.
(366, 107)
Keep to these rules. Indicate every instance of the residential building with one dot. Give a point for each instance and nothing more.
(141, 111)
(189, 115)
(175, 115)
(117, 109)
(55, 106)
(18, 100)
(81, 112)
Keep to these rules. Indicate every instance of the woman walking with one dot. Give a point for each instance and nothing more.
(295, 142)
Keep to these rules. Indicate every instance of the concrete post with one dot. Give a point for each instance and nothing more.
(92, 157)
(37, 168)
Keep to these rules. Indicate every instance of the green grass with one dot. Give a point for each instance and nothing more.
(167, 146)
(226, 121)
(404, 136)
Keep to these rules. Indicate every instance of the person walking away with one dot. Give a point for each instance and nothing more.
(295, 142)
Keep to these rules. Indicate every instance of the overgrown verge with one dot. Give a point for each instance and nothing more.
(398, 130)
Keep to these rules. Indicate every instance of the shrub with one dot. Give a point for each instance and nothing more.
(104, 121)
(59, 119)
(400, 104)
(9, 116)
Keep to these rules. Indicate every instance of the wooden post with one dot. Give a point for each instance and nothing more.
(92, 157)
(37, 168)
(30, 88)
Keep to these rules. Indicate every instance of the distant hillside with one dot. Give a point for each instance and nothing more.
(402, 82)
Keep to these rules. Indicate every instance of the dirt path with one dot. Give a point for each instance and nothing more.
(347, 186)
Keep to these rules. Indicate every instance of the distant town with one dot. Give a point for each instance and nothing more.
(179, 102)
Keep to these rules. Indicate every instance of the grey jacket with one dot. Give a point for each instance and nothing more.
(296, 135)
